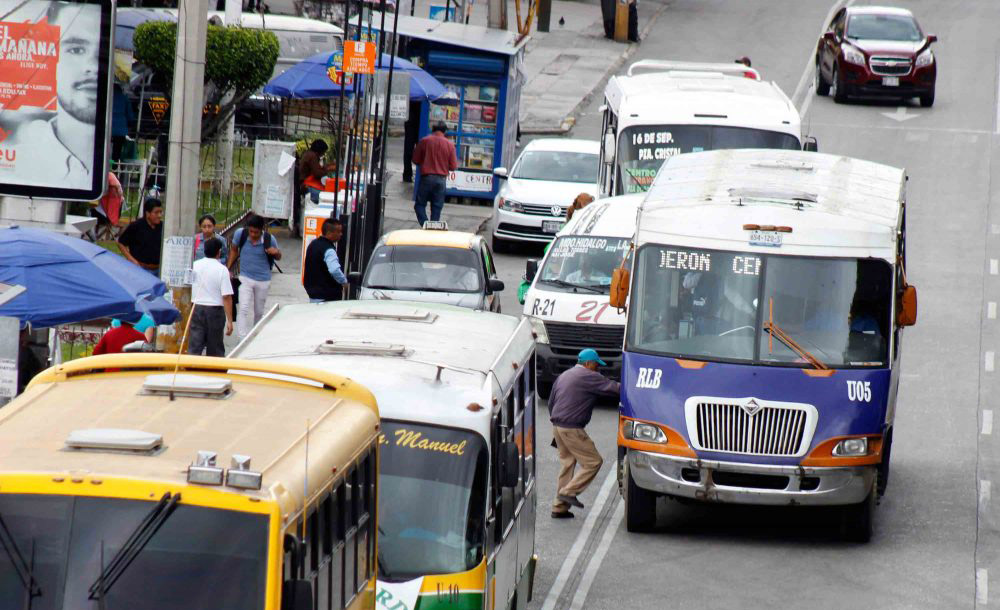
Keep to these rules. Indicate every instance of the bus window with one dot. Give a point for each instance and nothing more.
(527, 381)
(351, 539)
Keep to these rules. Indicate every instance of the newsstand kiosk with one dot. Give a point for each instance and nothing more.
(484, 68)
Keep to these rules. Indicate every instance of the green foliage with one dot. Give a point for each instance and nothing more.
(237, 60)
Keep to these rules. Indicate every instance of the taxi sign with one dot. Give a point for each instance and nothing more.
(435, 225)
(359, 57)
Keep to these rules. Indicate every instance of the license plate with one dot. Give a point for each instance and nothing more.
(551, 226)
(890, 81)
(765, 238)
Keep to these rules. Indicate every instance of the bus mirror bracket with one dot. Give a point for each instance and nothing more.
(907, 306)
(619, 287)
(511, 465)
(809, 144)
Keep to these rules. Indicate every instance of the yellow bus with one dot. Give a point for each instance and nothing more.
(165, 483)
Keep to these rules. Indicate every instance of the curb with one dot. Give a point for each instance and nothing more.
(567, 124)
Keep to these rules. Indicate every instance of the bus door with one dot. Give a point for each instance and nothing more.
(503, 505)
(609, 144)
(524, 430)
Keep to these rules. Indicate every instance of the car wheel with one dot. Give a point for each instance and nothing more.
(858, 520)
(640, 504)
(499, 245)
(927, 100)
(822, 87)
(837, 87)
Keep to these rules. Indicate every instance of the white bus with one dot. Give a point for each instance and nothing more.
(457, 483)
(664, 108)
(567, 303)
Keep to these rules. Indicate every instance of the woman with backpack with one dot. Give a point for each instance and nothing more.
(207, 225)
(255, 251)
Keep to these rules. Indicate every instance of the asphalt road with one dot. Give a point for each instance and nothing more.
(936, 544)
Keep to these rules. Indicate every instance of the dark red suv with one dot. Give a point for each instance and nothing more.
(877, 51)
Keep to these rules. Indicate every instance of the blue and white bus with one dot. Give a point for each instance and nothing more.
(767, 299)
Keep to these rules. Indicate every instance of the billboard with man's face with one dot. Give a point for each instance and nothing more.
(55, 71)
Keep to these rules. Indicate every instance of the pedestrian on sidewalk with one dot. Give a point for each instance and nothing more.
(322, 274)
(212, 296)
(122, 333)
(312, 171)
(142, 239)
(571, 404)
(207, 225)
(255, 250)
(435, 154)
(411, 132)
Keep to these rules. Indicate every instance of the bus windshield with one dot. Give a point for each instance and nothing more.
(642, 149)
(718, 306)
(199, 558)
(583, 262)
(432, 500)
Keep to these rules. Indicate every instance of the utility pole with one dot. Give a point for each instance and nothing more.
(184, 163)
(224, 142)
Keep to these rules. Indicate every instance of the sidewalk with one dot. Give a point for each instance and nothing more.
(571, 62)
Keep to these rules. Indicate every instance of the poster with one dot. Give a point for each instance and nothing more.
(175, 260)
(8, 378)
(55, 62)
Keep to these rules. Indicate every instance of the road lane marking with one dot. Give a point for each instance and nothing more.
(982, 587)
(991, 310)
(990, 358)
(987, 421)
(899, 115)
(801, 98)
(598, 557)
(984, 495)
(581, 539)
(996, 126)
(994, 266)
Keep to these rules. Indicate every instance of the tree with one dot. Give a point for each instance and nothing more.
(237, 60)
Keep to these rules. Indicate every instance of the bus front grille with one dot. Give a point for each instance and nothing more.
(751, 429)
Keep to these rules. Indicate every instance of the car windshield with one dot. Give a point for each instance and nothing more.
(643, 149)
(432, 500)
(557, 166)
(199, 558)
(899, 28)
(583, 262)
(715, 305)
(425, 268)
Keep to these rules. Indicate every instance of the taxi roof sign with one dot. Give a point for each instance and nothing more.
(435, 225)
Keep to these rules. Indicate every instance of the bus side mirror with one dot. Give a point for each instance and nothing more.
(296, 595)
(354, 278)
(511, 465)
(530, 269)
(495, 285)
(907, 315)
(619, 287)
(809, 144)
(609, 148)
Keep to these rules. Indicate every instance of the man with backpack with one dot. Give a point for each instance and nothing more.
(255, 250)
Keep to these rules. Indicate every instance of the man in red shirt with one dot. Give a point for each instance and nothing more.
(115, 340)
(435, 154)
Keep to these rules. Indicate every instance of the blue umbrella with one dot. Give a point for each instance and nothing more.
(70, 280)
(309, 79)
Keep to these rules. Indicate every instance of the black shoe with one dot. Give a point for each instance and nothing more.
(562, 515)
(571, 500)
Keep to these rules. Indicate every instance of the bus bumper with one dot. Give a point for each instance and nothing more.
(739, 483)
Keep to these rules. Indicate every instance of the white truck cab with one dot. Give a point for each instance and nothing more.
(664, 108)
(567, 302)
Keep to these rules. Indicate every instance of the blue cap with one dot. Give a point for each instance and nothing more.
(590, 355)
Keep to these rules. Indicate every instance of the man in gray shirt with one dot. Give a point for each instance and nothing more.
(571, 405)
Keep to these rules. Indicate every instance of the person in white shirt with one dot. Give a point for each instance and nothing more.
(212, 296)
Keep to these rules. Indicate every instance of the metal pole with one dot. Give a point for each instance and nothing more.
(184, 163)
(385, 121)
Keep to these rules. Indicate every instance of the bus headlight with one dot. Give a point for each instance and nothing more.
(851, 447)
(538, 327)
(646, 433)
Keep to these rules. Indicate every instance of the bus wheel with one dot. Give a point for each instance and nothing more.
(640, 505)
(858, 520)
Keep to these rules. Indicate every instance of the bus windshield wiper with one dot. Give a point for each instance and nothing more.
(23, 568)
(565, 284)
(776, 331)
(136, 541)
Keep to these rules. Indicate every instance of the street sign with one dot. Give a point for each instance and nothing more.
(158, 106)
(359, 57)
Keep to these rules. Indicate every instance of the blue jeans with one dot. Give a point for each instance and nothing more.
(430, 189)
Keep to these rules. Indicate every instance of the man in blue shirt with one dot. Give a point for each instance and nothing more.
(322, 275)
(255, 251)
